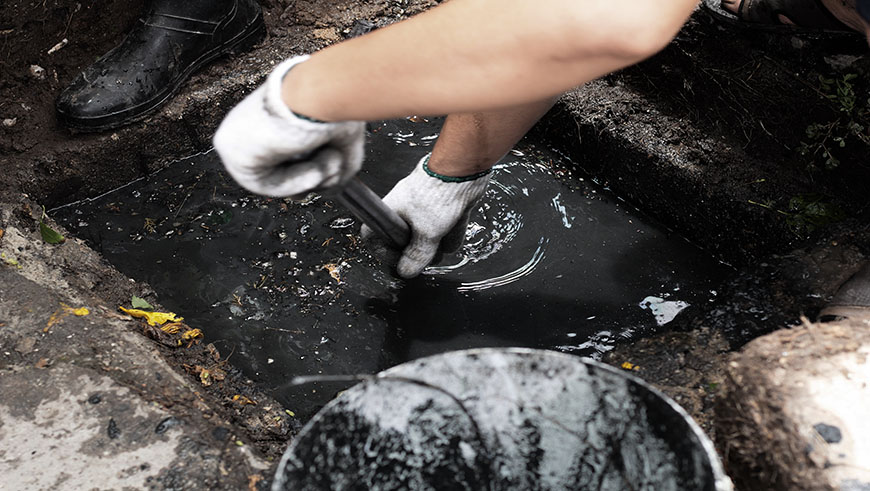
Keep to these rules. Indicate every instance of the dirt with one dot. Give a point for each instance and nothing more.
(30, 30)
(45, 160)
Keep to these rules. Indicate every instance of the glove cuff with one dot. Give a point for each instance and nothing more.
(272, 99)
(425, 165)
(459, 191)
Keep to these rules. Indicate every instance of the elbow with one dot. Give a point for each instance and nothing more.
(643, 40)
(629, 30)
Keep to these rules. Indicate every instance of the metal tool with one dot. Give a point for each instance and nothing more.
(371, 209)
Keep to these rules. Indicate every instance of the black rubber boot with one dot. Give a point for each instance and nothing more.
(173, 40)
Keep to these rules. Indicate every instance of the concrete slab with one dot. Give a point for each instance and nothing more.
(88, 399)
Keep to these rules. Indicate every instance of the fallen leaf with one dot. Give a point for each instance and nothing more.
(1, 233)
(334, 271)
(242, 400)
(49, 235)
(161, 337)
(173, 327)
(140, 303)
(290, 413)
(191, 334)
(253, 480)
(42, 363)
(81, 311)
(205, 377)
(629, 366)
(153, 318)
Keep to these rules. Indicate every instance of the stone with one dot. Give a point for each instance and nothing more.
(793, 413)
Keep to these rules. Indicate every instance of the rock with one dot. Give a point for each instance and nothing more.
(10, 122)
(37, 72)
(793, 413)
(25, 345)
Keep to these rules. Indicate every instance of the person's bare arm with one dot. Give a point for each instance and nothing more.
(476, 55)
(472, 142)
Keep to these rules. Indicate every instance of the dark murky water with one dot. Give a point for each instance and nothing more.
(287, 287)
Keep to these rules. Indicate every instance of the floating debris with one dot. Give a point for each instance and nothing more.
(341, 222)
(334, 271)
(663, 310)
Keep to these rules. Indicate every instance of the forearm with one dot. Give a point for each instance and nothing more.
(472, 55)
(472, 142)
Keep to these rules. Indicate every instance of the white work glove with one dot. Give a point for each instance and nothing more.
(436, 209)
(272, 151)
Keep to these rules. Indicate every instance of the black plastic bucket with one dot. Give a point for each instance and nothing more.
(496, 419)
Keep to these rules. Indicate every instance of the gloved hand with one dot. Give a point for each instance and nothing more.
(272, 151)
(434, 206)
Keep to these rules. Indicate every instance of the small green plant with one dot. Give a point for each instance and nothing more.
(807, 213)
(826, 140)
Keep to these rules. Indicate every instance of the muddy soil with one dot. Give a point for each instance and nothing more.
(47, 161)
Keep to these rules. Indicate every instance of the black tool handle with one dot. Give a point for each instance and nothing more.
(371, 209)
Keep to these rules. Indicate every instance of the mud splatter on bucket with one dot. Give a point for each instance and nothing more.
(501, 419)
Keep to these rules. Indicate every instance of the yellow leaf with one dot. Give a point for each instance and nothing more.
(153, 318)
(629, 366)
(205, 377)
(10, 260)
(172, 327)
(81, 311)
(243, 400)
(191, 334)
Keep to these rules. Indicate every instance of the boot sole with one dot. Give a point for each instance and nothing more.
(244, 41)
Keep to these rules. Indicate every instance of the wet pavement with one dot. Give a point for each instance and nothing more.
(551, 261)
